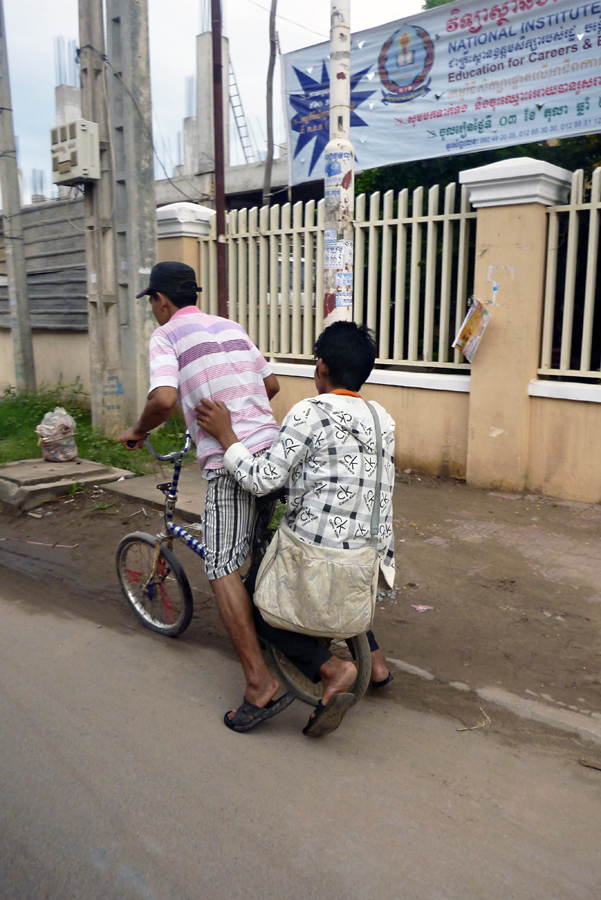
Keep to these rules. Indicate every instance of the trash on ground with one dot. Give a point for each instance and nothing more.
(35, 515)
(56, 433)
(479, 725)
(421, 608)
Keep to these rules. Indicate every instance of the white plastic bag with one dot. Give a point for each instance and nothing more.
(56, 432)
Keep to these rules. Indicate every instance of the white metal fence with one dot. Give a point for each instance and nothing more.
(413, 275)
(571, 340)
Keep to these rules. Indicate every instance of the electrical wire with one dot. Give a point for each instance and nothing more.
(148, 128)
(291, 21)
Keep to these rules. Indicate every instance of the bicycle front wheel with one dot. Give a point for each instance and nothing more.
(355, 649)
(162, 600)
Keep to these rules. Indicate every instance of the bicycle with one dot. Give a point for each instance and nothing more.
(156, 586)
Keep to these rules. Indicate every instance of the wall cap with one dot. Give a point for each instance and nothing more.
(425, 380)
(183, 220)
(512, 181)
(565, 390)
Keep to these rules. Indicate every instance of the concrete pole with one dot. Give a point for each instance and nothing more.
(18, 296)
(219, 160)
(130, 122)
(339, 183)
(103, 312)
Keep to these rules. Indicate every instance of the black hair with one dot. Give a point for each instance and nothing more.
(349, 352)
(183, 297)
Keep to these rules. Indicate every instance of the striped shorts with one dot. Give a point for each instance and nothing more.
(230, 519)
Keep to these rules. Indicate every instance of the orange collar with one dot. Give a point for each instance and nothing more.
(345, 393)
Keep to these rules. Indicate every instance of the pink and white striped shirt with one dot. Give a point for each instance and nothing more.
(207, 356)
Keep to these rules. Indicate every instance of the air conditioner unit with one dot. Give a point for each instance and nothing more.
(75, 152)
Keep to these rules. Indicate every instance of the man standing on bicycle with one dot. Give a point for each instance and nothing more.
(194, 356)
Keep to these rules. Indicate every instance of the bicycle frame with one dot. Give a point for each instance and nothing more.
(169, 489)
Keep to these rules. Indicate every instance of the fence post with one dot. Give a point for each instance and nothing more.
(511, 246)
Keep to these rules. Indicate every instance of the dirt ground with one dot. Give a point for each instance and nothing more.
(514, 583)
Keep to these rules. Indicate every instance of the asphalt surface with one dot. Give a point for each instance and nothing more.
(118, 779)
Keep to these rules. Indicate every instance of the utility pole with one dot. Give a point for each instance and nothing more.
(130, 123)
(270, 70)
(339, 183)
(103, 310)
(219, 165)
(18, 296)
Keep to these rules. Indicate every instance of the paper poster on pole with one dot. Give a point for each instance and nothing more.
(472, 329)
(458, 78)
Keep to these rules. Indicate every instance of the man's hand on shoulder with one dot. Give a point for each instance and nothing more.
(215, 419)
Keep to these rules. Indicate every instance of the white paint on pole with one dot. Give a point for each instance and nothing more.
(339, 182)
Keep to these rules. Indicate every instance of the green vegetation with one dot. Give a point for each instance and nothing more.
(21, 411)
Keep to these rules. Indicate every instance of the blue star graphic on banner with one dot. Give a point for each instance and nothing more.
(312, 119)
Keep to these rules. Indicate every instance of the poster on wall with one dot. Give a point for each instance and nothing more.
(462, 77)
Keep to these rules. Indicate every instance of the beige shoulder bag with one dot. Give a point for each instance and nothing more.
(317, 590)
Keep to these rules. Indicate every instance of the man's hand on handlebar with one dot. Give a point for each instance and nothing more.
(132, 439)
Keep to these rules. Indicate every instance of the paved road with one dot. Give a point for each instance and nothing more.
(119, 780)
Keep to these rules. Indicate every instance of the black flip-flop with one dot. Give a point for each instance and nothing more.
(380, 684)
(327, 718)
(248, 715)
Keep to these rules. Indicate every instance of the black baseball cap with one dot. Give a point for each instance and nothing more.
(171, 278)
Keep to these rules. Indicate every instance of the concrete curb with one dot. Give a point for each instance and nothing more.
(563, 719)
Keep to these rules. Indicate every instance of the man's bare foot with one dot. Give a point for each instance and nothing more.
(261, 694)
(379, 669)
(337, 676)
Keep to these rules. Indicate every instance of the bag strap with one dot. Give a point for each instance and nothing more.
(375, 513)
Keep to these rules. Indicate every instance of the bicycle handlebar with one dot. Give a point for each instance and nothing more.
(169, 457)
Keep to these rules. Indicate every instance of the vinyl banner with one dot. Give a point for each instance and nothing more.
(462, 77)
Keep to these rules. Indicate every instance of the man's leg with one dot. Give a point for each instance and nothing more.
(230, 516)
(380, 672)
(235, 609)
(307, 654)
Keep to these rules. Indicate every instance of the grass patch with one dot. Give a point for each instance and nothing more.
(21, 411)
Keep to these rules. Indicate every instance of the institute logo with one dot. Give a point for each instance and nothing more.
(404, 64)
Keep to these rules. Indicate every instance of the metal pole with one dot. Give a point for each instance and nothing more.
(219, 165)
(270, 70)
(103, 311)
(339, 183)
(18, 296)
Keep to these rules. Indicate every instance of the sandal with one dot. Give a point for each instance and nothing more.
(383, 683)
(248, 715)
(327, 718)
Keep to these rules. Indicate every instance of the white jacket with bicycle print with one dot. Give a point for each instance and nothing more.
(325, 456)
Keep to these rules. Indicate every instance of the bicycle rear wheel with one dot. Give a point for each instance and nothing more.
(355, 649)
(163, 603)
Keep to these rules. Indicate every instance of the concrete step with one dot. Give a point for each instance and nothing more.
(28, 483)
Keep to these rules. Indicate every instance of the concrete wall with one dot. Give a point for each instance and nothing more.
(565, 436)
(60, 357)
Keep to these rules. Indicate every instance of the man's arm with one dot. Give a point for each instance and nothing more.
(158, 409)
(258, 474)
(272, 386)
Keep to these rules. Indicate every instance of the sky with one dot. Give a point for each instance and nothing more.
(32, 25)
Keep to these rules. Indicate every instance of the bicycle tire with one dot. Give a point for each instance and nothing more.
(355, 649)
(167, 610)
